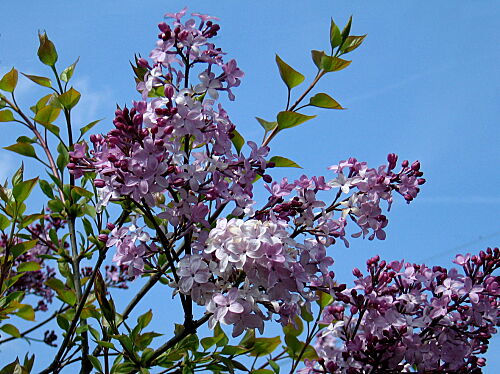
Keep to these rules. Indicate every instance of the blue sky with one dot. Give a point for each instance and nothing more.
(425, 85)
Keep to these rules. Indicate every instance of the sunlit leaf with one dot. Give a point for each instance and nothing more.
(22, 190)
(42, 81)
(329, 63)
(46, 51)
(284, 162)
(287, 119)
(26, 312)
(238, 140)
(29, 266)
(335, 37)
(264, 346)
(352, 42)
(11, 330)
(316, 57)
(267, 125)
(70, 98)
(68, 72)
(290, 76)
(323, 100)
(6, 116)
(9, 81)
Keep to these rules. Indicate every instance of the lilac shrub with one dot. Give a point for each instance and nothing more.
(183, 179)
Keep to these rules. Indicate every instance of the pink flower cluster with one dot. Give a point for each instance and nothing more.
(401, 316)
(367, 188)
(250, 265)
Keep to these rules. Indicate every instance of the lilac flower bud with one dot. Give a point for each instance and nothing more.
(392, 158)
(357, 273)
(103, 238)
(405, 163)
(415, 166)
(99, 183)
(267, 178)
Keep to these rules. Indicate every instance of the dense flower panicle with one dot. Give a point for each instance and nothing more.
(399, 315)
(171, 155)
(271, 271)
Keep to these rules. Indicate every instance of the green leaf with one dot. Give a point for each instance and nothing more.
(287, 119)
(335, 37)
(95, 363)
(68, 72)
(70, 98)
(56, 284)
(22, 190)
(290, 76)
(26, 312)
(238, 140)
(346, 30)
(18, 175)
(106, 344)
(41, 103)
(6, 116)
(46, 188)
(316, 57)
(11, 330)
(352, 42)
(274, 366)
(267, 125)
(42, 81)
(145, 319)
(294, 346)
(207, 342)
(323, 100)
(22, 247)
(248, 339)
(233, 350)
(264, 346)
(263, 371)
(329, 63)
(46, 116)
(9, 81)
(22, 149)
(46, 51)
(62, 322)
(4, 222)
(25, 139)
(86, 128)
(68, 296)
(284, 162)
(63, 158)
(82, 192)
(324, 300)
(28, 220)
(28, 266)
(292, 330)
(55, 205)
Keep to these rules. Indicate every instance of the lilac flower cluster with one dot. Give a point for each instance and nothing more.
(401, 316)
(368, 186)
(176, 142)
(251, 264)
(171, 155)
(33, 282)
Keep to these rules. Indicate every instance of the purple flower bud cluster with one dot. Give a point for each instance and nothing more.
(33, 282)
(400, 316)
